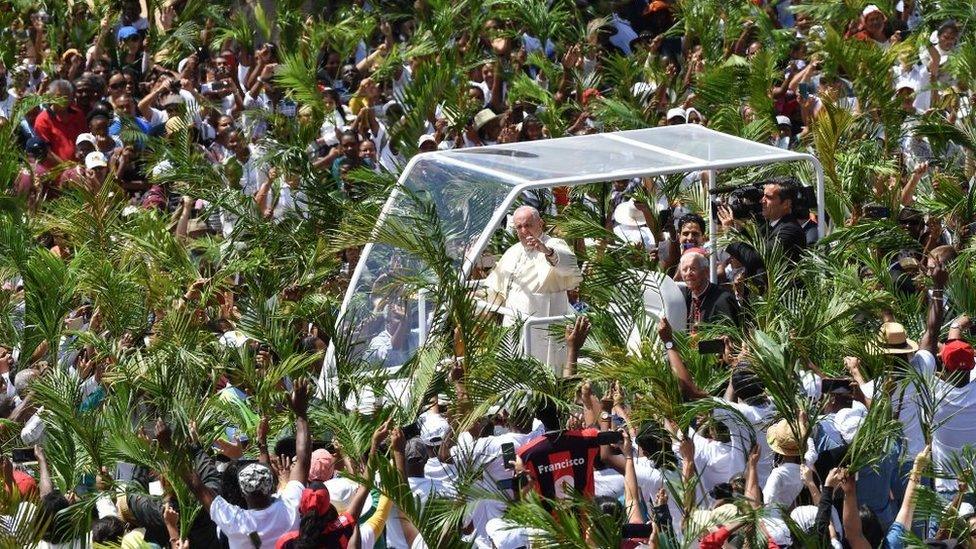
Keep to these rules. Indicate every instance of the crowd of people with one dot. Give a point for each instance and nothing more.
(189, 186)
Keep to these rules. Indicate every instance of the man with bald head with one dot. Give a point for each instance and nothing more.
(706, 302)
(532, 278)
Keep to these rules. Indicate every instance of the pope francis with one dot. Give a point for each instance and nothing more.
(532, 278)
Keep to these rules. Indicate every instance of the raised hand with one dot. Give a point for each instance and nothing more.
(299, 397)
(664, 332)
(576, 332)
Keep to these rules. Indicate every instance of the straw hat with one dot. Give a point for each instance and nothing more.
(483, 117)
(782, 440)
(627, 213)
(892, 340)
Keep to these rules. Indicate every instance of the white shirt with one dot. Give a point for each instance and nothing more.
(270, 523)
(714, 461)
(608, 482)
(783, 485)
(421, 488)
(649, 478)
(742, 433)
(924, 364)
(956, 429)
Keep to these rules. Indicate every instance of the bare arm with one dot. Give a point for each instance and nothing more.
(575, 337)
(631, 492)
(851, 518)
(907, 509)
(933, 322)
(263, 455)
(689, 389)
(44, 484)
(303, 437)
(753, 491)
(183, 224)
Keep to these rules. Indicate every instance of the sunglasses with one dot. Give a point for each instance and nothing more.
(116, 85)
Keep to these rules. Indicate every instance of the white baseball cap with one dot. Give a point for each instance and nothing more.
(677, 112)
(82, 137)
(783, 121)
(95, 160)
(869, 9)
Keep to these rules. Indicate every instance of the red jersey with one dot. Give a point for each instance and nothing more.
(561, 463)
(60, 130)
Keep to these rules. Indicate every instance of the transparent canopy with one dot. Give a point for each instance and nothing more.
(460, 197)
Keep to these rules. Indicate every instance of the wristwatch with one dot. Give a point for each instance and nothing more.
(605, 416)
(668, 345)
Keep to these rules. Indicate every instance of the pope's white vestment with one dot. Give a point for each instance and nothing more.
(528, 284)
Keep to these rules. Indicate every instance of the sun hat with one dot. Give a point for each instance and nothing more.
(95, 160)
(958, 356)
(255, 479)
(892, 340)
(483, 117)
(782, 440)
(627, 213)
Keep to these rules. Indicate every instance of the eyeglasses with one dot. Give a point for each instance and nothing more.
(116, 85)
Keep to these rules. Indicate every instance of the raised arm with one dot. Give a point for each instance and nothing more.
(44, 484)
(303, 438)
(851, 518)
(262, 435)
(575, 337)
(907, 509)
(631, 491)
(933, 322)
(689, 389)
(753, 491)
(201, 491)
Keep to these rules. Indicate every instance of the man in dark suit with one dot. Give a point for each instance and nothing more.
(779, 195)
(706, 302)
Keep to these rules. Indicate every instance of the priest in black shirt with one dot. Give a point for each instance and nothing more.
(706, 302)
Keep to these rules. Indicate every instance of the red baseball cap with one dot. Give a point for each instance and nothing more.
(958, 356)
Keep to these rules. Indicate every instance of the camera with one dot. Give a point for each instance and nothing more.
(743, 202)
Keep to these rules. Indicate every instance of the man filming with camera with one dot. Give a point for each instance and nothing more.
(778, 221)
(779, 195)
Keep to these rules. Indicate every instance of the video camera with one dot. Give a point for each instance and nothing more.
(745, 200)
(742, 200)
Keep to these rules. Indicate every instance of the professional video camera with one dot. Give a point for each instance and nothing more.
(745, 200)
(742, 200)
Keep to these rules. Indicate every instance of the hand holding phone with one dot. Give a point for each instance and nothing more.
(711, 347)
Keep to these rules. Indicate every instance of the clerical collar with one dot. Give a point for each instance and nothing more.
(704, 289)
